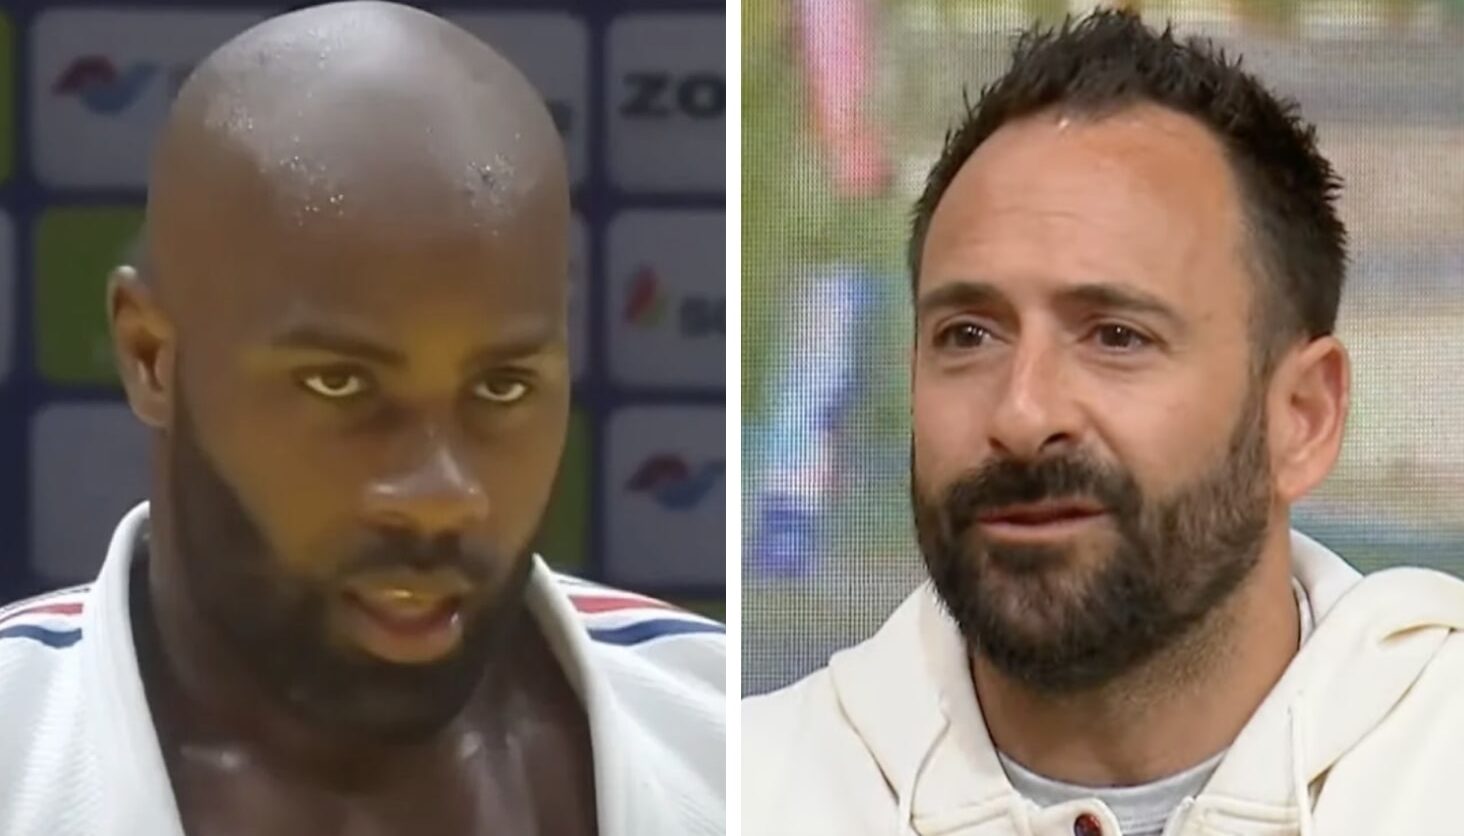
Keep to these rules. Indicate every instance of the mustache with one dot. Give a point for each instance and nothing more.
(406, 550)
(1005, 482)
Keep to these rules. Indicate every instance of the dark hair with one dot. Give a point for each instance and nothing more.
(1110, 60)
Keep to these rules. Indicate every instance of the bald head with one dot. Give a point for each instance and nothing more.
(353, 345)
(360, 113)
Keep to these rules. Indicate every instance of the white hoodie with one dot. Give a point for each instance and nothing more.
(79, 755)
(1363, 735)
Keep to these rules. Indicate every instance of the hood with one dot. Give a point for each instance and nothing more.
(907, 693)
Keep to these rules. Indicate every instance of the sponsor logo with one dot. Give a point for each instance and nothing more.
(666, 102)
(101, 87)
(673, 482)
(647, 305)
(665, 477)
(662, 95)
(101, 78)
(104, 88)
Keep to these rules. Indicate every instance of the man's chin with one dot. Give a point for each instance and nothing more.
(1082, 550)
(1026, 618)
(1024, 563)
(1027, 624)
(389, 703)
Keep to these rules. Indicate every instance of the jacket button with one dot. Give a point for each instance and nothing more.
(1087, 825)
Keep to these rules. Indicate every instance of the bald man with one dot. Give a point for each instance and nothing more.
(348, 341)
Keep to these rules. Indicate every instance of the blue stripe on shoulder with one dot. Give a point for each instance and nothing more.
(46, 636)
(645, 631)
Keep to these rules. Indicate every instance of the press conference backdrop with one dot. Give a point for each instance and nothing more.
(637, 88)
(845, 106)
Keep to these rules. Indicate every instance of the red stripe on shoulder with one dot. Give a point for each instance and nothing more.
(613, 603)
(61, 608)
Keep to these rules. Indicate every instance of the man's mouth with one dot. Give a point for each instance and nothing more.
(404, 609)
(1041, 514)
(406, 617)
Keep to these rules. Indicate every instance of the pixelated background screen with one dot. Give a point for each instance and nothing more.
(845, 104)
(638, 90)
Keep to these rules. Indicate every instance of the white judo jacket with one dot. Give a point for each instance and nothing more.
(1362, 736)
(79, 755)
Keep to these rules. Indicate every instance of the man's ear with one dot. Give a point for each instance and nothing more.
(143, 342)
(1308, 414)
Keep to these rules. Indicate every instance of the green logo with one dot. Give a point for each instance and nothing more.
(75, 250)
(564, 533)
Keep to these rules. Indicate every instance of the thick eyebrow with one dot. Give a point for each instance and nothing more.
(1118, 298)
(959, 294)
(968, 294)
(314, 337)
(319, 338)
(526, 343)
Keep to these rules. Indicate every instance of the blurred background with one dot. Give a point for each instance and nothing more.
(638, 90)
(845, 103)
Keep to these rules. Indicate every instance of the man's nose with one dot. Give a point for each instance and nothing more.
(438, 494)
(1035, 413)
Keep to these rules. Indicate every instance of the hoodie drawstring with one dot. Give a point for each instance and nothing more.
(905, 794)
(1298, 773)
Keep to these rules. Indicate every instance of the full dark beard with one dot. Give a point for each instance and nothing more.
(276, 624)
(1063, 622)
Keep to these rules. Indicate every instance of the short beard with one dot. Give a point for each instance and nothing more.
(1060, 622)
(274, 622)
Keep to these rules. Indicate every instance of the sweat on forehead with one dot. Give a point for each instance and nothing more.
(367, 118)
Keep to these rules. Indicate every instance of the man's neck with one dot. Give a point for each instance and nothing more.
(1177, 710)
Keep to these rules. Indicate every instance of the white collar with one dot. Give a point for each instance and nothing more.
(140, 795)
(924, 727)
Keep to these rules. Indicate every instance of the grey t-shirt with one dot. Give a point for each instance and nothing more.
(1141, 810)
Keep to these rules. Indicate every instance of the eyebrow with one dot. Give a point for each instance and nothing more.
(964, 293)
(1118, 298)
(313, 337)
(318, 338)
(959, 294)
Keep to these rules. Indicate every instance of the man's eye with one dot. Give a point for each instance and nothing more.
(1120, 337)
(962, 335)
(500, 391)
(336, 384)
